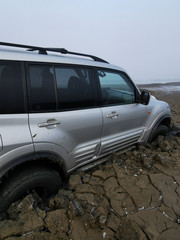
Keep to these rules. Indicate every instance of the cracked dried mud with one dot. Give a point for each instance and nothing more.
(135, 195)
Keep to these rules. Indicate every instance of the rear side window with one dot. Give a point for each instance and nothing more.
(11, 88)
(42, 88)
(56, 88)
(74, 87)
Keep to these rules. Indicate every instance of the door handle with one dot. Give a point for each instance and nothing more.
(112, 115)
(49, 122)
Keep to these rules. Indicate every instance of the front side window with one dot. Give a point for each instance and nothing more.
(115, 88)
(11, 88)
(42, 88)
(74, 87)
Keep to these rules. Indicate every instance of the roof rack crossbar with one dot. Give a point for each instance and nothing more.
(43, 50)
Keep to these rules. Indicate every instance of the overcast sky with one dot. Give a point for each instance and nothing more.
(142, 36)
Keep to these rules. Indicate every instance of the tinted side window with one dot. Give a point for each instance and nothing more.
(11, 88)
(42, 88)
(115, 88)
(74, 87)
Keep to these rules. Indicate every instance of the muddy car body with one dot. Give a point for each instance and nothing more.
(58, 113)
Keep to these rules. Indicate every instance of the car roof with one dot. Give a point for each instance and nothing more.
(15, 54)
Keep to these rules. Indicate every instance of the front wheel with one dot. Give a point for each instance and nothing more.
(161, 130)
(31, 177)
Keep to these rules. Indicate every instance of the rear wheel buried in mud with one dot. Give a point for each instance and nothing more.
(161, 130)
(43, 179)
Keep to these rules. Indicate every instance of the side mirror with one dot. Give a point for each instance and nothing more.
(145, 97)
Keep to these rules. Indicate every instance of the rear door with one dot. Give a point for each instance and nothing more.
(123, 118)
(63, 115)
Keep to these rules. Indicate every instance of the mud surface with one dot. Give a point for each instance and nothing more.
(136, 195)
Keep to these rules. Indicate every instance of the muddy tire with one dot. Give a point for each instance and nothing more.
(20, 182)
(160, 130)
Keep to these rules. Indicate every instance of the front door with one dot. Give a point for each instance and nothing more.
(123, 118)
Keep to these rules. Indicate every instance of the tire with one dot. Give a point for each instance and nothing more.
(29, 178)
(160, 130)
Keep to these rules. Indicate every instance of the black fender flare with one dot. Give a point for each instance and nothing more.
(47, 158)
(166, 119)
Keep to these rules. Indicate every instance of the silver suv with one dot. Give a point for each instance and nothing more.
(58, 113)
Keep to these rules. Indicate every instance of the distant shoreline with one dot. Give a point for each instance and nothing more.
(155, 81)
(162, 87)
(159, 84)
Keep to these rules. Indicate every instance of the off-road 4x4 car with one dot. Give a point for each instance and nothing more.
(58, 113)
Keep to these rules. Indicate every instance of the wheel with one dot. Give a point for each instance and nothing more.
(160, 130)
(39, 178)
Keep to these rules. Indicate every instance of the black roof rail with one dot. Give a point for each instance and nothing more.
(43, 50)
